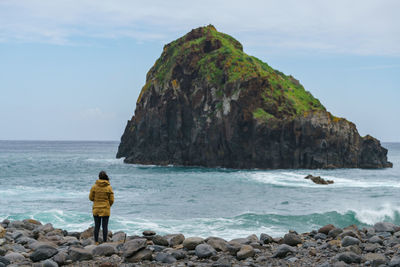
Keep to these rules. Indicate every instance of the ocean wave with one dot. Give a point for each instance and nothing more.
(108, 161)
(228, 228)
(292, 179)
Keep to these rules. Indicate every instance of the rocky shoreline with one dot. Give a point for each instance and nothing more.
(30, 243)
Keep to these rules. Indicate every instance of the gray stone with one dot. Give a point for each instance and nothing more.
(49, 263)
(349, 257)
(165, 258)
(245, 252)
(43, 252)
(132, 246)
(37, 244)
(141, 255)
(118, 237)
(349, 241)
(395, 261)
(283, 250)
(291, 239)
(192, 242)
(79, 254)
(156, 248)
(61, 257)
(371, 247)
(178, 254)
(4, 260)
(384, 227)
(233, 247)
(375, 259)
(175, 239)
(149, 233)
(14, 257)
(48, 227)
(292, 259)
(205, 251)
(160, 240)
(375, 239)
(104, 250)
(320, 236)
(266, 239)
(242, 241)
(217, 243)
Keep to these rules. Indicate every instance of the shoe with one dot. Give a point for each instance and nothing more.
(96, 243)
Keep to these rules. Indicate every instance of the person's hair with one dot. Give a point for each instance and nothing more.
(103, 175)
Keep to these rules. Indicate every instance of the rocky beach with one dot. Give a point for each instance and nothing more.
(31, 243)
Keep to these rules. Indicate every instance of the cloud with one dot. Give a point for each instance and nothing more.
(356, 27)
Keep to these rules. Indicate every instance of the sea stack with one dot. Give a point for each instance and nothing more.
(207, 103)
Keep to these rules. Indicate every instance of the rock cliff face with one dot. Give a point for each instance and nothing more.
(207, 103)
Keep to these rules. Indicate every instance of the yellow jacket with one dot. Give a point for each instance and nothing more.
(102, 196)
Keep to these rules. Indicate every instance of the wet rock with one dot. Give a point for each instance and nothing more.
(283, 250)
(348, 241)
(14, 257)
(132, 246)
(325, 229)
(318, 180)
(349, 257)
(192, 242)
(165, 258)
(205, 251)
(245, 252)
(141, 255)
(292, 239)
(266, 239)
(104, 250)
(175, 239)
(43, 252)
(160, 240)
(78, 254)
(217, 243)
(384, 227)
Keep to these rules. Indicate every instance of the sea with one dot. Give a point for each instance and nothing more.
(50, 181)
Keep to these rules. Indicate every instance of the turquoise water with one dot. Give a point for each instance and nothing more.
(50, 182)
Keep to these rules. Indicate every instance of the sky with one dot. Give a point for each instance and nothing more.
(72, 70)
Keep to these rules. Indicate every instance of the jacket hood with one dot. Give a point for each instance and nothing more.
(102, 182)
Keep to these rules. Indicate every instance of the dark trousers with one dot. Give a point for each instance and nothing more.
(103, 221)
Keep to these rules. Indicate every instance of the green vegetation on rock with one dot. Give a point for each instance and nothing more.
(218, 59)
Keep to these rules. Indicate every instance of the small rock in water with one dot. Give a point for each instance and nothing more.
(318, 180)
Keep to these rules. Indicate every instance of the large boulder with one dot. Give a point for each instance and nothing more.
(43, 252)
(133, 246)
(79, 254)
(207, 103)
(385, 227)
(205, 251)
(245, 252)
(191, 243)
(104, 250)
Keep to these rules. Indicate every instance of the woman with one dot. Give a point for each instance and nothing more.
(102, 196)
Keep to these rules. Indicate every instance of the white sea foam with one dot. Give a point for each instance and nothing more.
(108, 161)
(292, 179)
(372, 216)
